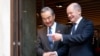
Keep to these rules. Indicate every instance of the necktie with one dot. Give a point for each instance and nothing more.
(73, 29)
(50, 38)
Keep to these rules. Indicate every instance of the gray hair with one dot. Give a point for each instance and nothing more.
(44, 9)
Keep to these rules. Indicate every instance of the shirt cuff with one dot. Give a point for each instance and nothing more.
(56, 53)
(61, 38)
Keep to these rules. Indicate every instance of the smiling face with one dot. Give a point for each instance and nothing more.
(48, 18)
(73, 13)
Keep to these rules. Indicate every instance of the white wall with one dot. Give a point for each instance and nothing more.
(4, 27)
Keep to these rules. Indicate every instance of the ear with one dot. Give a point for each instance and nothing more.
(79, 12)
(54, 16)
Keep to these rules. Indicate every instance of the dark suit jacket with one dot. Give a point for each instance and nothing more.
(43, 42)
(80, 44)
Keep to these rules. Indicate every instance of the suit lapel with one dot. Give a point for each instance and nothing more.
(46, 38)
(80, 26)
(57, 31)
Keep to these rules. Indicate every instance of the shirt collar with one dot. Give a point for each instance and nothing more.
(77, 22)
(53, 26)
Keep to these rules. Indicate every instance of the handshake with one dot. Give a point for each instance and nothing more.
(50, 53)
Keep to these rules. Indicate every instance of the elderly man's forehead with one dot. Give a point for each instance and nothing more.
(73, 4)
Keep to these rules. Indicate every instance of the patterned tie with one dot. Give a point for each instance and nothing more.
(50, 38)
(73, 29)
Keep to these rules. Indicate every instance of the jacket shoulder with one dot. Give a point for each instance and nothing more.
(41, 29)
(87, 20)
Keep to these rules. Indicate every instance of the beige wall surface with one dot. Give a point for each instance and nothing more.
(4, 27)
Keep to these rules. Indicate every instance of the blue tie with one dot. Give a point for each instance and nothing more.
(50, 38)
(73, 29)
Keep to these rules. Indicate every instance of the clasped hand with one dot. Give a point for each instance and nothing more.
(49, 54)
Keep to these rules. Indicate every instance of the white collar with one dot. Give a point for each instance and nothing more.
(78, 21)
(53, 26)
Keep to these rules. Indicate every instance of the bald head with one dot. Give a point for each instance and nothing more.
(75, 6)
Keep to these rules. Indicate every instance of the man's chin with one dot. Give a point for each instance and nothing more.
(48, 25)
(72, 20)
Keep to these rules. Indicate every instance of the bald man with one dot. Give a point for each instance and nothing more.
(80, 37)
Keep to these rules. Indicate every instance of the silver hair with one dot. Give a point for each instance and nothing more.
(44, 9)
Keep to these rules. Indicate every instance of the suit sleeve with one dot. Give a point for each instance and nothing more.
(84, 34)
(39, 47)
(63, 50)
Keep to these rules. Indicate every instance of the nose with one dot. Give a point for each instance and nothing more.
(47, 20)
(69, 15)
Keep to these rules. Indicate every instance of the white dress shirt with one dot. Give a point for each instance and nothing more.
(53, 28)
(77, 23)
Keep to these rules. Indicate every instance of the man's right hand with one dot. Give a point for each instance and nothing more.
(49, 54)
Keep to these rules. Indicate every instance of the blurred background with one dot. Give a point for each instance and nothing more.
(26, 19)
